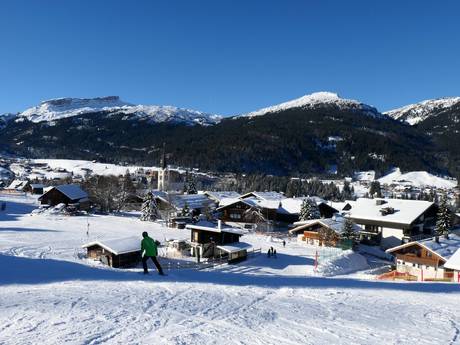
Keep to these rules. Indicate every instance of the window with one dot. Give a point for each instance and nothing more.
(235, 216)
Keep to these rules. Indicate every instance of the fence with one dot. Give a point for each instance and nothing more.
(169, 264)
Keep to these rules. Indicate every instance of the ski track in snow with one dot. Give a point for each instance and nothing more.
(241, 304)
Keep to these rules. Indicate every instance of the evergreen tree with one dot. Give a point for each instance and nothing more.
(149, 208)
(375, 190)
(444, 220)
(309, 210)
(185, 212)
(348, 232)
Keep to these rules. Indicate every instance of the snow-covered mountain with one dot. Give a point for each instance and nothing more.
(415, 113)
(319, 99)
(56, 109)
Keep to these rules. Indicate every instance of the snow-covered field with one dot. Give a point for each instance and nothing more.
(50, 294)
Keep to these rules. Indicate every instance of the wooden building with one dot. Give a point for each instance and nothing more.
(323, 232)
(66, 194)
(118, 253)
(35, 188)
(207, 237)
(426, 260)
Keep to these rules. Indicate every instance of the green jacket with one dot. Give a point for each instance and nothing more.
(149, 246)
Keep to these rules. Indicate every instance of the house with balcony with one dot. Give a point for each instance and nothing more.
(392, 222)
(433, 259)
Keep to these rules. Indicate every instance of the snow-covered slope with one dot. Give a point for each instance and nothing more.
(318, 99)
(415, 113)
(60, 108)
(51, 295)
(417, 179)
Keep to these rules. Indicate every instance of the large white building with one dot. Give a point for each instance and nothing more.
(391, 222)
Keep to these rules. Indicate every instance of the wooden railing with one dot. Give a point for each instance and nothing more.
(417, 260)
(393, 275)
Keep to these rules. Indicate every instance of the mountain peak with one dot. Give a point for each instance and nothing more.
(415, 113)
(60, 108)
(314, 100)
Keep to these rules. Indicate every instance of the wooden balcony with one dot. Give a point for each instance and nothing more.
(417, 260)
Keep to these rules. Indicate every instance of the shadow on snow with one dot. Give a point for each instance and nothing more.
(20, 270)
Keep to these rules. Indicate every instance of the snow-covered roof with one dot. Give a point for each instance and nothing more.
(235, 247)
(215, 229)
(445, 247)
(178, 201)
(272, 204)
(264, 195)
(405, 211)
(335, 224)
(454, 261)
(293, 205)
(18, 184)
(37, 185)
(218, 196)
(118, 246)
(228, 201)
(72, 191)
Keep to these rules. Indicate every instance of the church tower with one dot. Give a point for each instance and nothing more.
(163, 173)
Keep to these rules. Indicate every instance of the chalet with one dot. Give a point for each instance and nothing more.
(66, 194)
(248, 210)
(210, 241)
(322, 232)
(196, 203)
(391, 222)
(283, 211)
(426, 259)
(121, 252)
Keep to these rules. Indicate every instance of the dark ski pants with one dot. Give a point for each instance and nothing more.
(155, 261)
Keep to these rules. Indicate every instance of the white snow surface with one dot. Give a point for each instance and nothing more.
(60, 108)
(415, 113)
(50, 294)
(315, 99)
(417, 179)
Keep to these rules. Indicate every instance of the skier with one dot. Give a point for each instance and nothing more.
(284, 243)
(274, 253)
(268, 252)
(149, 250)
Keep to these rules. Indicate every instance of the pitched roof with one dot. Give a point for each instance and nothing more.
(18, 184)
(406, 211)
(445, 248)
(178, 201)
(72, 191)
(118, 246)
(213, 228)
(454, 261)
(264, 195)
(335, 224)
(218, 196)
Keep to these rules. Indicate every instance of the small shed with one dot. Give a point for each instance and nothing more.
(120, 252)
(236, 251)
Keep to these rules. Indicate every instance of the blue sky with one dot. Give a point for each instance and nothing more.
(228, 57)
